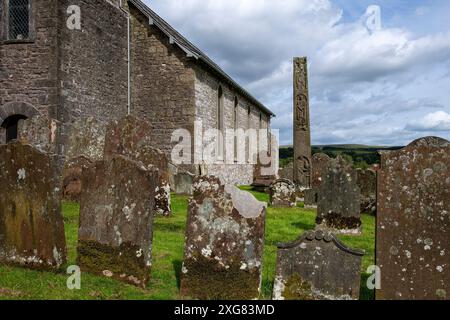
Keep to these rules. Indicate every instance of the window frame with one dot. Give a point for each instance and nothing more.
(4, 24)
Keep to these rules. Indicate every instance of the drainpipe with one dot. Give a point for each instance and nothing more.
(129, 62)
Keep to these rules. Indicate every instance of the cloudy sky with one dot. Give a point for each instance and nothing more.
(387, 86)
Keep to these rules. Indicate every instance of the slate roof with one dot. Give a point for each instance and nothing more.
(192, 51)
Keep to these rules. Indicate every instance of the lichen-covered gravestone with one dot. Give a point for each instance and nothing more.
(116, 220)
(367, 182)
(131, 137)
(320, 162)
(31, 223)
(338, 206)
(413, 225)
(224, 243)
(72, 172)
(282, 194)
(317, 266)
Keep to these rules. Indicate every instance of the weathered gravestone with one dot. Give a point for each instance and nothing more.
(224, 243)
(413, 225)
(183, 183)
(338, 206)
(287, 172)
(116, 220)
(317, 266)
(130, 137)
(72, 172)
(320, 162)
(31, 223)
(367, 182)
(282, 194)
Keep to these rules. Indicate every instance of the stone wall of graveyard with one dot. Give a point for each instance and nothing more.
(162, 82)
(37, 89)
(206, 105)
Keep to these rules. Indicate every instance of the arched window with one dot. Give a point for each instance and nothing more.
(10, 115)
(10, 124)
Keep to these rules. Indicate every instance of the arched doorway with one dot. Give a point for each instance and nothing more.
(10, 125)
(10, 115)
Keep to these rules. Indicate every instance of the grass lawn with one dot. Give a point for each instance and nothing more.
(283, 225)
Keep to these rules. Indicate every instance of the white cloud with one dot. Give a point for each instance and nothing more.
(436, 121)
(365, 87)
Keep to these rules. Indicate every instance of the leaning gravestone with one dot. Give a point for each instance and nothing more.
(367, 182)
(338, 206)
(317, 266)
(413, 225)
(31, 223)
(320, 162)
(224, 243)
(282, 194)
(131, 137)
(116, 220)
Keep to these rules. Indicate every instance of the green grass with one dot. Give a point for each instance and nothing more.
(283, 225)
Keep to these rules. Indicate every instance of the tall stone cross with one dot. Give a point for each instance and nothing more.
(302, 128)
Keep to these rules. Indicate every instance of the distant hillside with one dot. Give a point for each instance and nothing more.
(361, 155)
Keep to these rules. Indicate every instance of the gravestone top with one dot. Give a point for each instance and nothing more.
(317, 266)
(320, 235)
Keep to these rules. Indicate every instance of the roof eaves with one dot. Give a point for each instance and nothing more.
(192, 51)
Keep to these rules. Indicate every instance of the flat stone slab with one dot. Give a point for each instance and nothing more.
(413, 222)
(282, 194)
(224, 243)
(116, 220)
(131, 137)
(31, 222)
(338, 206)
(317, 266)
